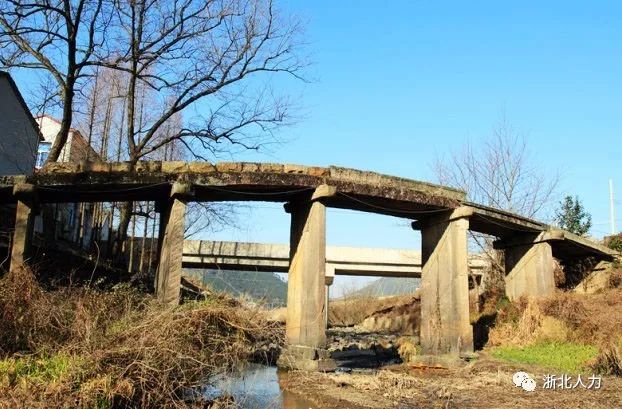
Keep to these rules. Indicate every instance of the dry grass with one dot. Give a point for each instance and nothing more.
(34, 319)
(615, 279)
(354, 310)
(569, 319)
(483, 383)
(589, 319)
(84, 348)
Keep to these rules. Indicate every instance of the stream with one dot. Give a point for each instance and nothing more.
(256, 387)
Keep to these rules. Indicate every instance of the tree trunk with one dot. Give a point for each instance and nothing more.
(125, 216)
(65, 126)
(68, 94)
(126, 210)
(141, 262)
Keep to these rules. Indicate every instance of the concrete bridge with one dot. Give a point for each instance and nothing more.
(349, 261)
(441, 214)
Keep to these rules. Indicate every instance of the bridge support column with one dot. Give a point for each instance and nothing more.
(171, 244)
(22, 235)
(529, 266)
(445, 325)
(305, 326)
(329, 278)
(24, 224)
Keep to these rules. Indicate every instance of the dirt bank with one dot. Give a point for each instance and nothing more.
(484, 383)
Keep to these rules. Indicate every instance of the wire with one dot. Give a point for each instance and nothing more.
(130, 189)
(507, 225)
(283, 192)
(572, 242)
(588, 248)
(392, 210)
(279, 208)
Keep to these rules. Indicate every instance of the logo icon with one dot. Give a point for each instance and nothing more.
(523, 380)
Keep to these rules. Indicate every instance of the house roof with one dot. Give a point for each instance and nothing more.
(20, 98)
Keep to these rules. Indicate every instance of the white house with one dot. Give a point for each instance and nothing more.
(76, 148)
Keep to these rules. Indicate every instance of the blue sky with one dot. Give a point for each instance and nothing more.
(399, 84)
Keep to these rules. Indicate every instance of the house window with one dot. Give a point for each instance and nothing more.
(42, 154)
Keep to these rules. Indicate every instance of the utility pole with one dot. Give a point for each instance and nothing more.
(611, 208)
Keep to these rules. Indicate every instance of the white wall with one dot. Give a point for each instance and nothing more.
(49, 129)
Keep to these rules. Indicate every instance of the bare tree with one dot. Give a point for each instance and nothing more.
(62, 38)
(499, 172)
(192, 76)
(203, 57)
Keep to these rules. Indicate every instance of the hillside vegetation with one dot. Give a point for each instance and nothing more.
(267, 288)
(388, 286)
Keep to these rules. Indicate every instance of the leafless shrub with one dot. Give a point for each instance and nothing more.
(608, 361)
(588, 319)
(498, 171)
(615, 279)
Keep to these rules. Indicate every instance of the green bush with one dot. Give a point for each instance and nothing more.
(615, 242)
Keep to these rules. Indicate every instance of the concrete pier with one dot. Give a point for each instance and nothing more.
(445, 326)
(305, 326)
(529, 266)
(171, 244)
(22, 235)
(26, 209)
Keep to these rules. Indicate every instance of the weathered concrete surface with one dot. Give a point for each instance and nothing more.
(581, 245)
(303, 358)
(353, 189)
(275, 258)
(22, 235)
(530, 268)
(305, 283)
(305, 327)
(168, 275)
(500, 223)
(445, 326)
(365, 191)
(597, 280)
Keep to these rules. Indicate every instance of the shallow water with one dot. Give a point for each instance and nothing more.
(256, 387)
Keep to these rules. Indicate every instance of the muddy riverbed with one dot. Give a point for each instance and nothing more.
(261, 386)
(482, 383)
(372, 375)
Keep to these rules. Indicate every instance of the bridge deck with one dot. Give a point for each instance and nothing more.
(232, 181)
(359, 190)
(504, 224)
